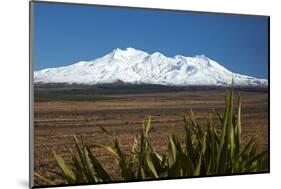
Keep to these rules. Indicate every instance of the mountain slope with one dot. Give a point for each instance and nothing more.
(138, 67)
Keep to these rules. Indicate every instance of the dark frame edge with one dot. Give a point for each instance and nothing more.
(31, 97)
(269, 88)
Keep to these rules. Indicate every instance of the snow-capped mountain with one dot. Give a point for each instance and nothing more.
(138, 67)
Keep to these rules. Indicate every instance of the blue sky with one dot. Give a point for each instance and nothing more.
(65, 34)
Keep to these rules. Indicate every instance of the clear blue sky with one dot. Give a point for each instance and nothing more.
(65, 34)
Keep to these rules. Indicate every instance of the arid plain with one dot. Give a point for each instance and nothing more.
(57, 120)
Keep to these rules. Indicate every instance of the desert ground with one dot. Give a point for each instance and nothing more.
(56, 121)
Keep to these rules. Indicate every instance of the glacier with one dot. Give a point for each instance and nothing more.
(134, 66)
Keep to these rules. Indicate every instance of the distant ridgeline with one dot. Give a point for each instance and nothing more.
(131, 66)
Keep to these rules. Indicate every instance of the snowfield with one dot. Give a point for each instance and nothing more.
(138, 67)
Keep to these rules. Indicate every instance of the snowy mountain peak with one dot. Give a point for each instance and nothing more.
(158, 55)
(139, 67)
(127, 53)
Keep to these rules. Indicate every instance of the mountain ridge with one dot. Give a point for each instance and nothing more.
(139, 67)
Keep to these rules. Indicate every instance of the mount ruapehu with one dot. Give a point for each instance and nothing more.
(136, 67)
